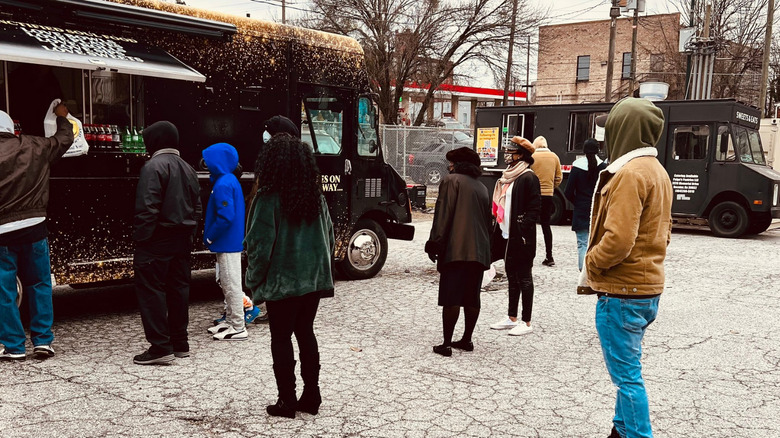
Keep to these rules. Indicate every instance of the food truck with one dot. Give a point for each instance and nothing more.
(710, 148)
(125, 64)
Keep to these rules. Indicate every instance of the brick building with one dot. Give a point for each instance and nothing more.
(572, 62)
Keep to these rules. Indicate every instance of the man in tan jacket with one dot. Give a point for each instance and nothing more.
(547, 167)
(630, 228)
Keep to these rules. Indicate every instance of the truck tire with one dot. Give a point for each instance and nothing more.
(366, 252)
(558, 213)
(728, 219)
(759, 222)
(434, 174)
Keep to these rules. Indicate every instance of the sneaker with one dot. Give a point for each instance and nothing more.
(231, 334)
(147, 358)
(221, 319)
(548, 262)
(7, 355)
(218, 328)
(43, 351)
(181, 354)
(251, 314)
(504, 324)
(521, 329)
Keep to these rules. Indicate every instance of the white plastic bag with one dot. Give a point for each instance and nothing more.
(80, 145)
(488, 275)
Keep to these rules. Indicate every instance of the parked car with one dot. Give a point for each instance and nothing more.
(448, 123)
(429, 164)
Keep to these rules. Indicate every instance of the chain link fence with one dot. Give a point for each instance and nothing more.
(418, 152)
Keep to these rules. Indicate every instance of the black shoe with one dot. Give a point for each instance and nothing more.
(6, 355)
(548, 262)
(614, 433)
(465, 346)
(444, 350)
(310, 401)
(147, 358)
(280, 409)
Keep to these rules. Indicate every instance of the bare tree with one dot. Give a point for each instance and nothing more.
(420, 40)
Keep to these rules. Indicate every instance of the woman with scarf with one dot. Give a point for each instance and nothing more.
(579, 191)
(517, 203)
(460, 242)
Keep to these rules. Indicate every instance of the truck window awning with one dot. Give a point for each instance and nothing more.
(54, 46)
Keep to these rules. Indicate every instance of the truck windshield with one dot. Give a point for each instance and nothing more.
(748, 145)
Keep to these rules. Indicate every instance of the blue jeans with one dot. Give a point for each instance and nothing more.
(621, 324)
(30, 262)
(582, 246)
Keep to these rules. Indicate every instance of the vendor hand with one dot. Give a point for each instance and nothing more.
(61, 110)
(433, 256)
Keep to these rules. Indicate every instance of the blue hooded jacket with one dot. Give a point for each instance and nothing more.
(224, 227)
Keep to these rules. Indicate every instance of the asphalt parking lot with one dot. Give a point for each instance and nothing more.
(711, 360)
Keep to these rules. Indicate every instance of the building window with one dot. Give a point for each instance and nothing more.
(583, 68)
(626, 65)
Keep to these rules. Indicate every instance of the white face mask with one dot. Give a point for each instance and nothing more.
(266, 137)
(509, 158)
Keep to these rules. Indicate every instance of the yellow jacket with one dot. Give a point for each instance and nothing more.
(546, 166)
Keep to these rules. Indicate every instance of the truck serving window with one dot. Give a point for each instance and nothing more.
(691, 142)
(582, 126)
(321, 124)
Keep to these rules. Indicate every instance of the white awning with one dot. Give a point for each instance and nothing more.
(32, 44)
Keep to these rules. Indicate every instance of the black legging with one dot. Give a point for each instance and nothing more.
(544, 220)
(449, 317)
(521, 283)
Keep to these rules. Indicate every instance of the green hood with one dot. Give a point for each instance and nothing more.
(632, 124)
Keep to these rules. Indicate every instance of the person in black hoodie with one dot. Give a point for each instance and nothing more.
(460, 244)
(167, 210)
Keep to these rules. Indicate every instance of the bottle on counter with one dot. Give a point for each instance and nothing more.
(127, 140)
(17, 128)
(116, 140)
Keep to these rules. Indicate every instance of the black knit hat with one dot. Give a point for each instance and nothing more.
(160, 135)
(277, 124)
(463, 155)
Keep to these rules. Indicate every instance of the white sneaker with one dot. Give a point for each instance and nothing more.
(521, 329)
(504, 324)
(231, 334)
(222, 326)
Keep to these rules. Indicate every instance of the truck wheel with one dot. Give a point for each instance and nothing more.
(759, 222)
(434, 175)
(728, 219)
(558, 213)
(367, 251)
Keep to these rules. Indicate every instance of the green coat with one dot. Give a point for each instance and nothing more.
(285, 259)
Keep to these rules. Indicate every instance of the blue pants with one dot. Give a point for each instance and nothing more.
(582, 246)
(30, 262)
(621, 324)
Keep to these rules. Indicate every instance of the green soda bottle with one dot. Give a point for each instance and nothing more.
(136, 142)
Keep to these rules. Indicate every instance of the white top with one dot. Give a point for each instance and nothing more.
(507, 212)
(18, 225)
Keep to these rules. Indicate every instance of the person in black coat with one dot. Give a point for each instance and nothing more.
(517, 203)
(579, 191)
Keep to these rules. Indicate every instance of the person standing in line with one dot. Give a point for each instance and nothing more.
(631, 227)
(24, 246)
(547, 167)
(167, 210)
(289, 244)
(460, 245)
(223, 234)
(516, 207)
(579, 191)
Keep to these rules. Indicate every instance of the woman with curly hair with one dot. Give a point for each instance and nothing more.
(289, 244)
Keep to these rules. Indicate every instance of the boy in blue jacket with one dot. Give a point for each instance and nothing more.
(223, 234)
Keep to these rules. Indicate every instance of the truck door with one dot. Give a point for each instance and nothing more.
(325, 115)
(687, 162)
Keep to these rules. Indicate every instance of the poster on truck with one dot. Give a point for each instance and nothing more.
(487, 146)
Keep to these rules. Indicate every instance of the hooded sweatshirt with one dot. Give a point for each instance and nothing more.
(546, 166)
(224, 227)
(626, 132)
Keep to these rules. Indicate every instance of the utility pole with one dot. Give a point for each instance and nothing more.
(509, 54)
(614, 13)
(283, 18)
(528, 63)
(635, 25)
(765, 64)
(688, 64)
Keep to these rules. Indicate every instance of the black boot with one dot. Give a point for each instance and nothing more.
(310, 400)
(614, 433)
(285, 382)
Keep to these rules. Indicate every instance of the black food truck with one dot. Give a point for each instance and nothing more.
(710, 148)
(125, 64)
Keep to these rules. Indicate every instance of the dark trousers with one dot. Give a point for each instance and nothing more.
(521, 283)
(162, 286)
(294, 315)
(544, 220)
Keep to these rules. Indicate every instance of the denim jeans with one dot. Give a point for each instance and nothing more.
(30, 262)
(621, 324)
(582, 246)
